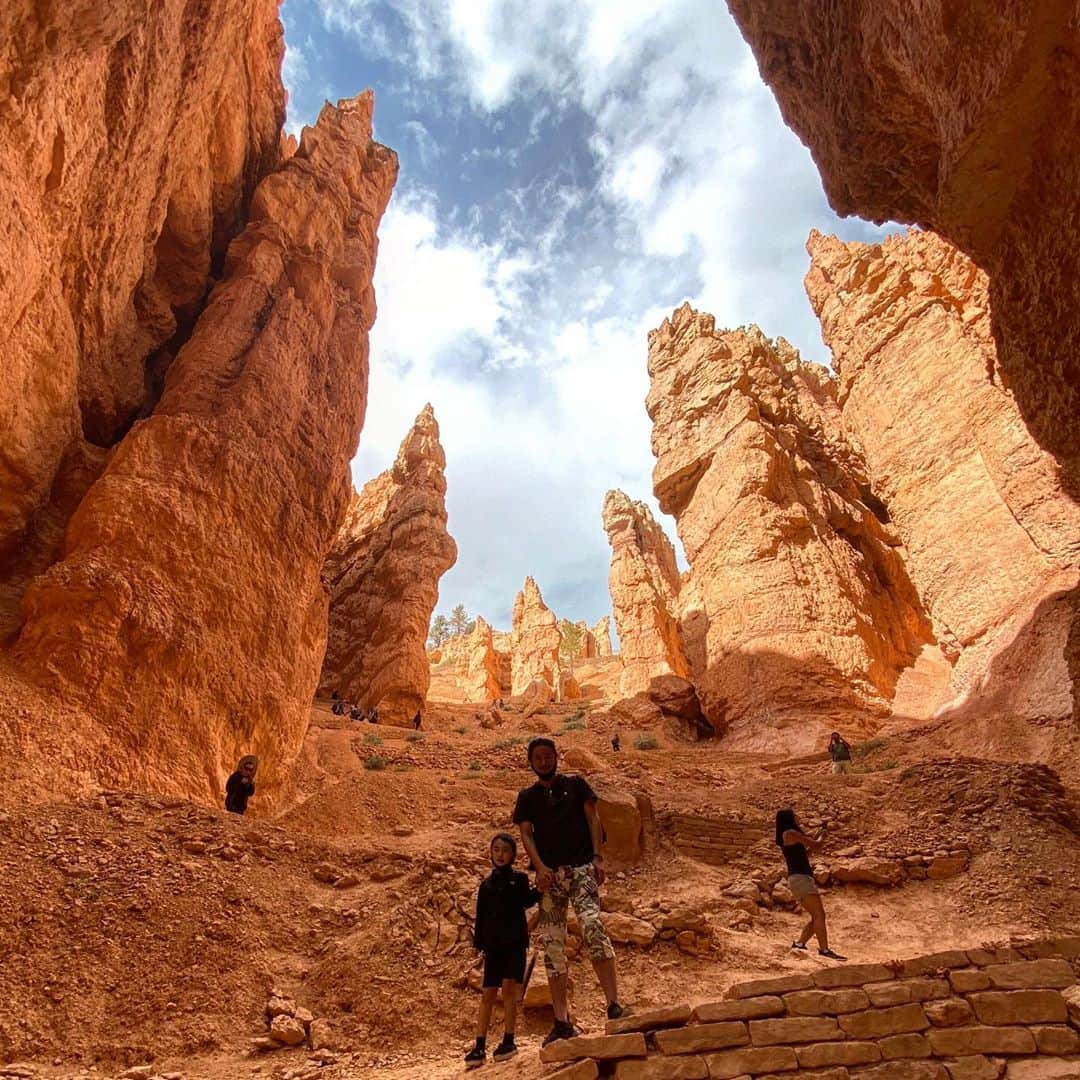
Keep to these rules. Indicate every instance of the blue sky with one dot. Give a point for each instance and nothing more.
(571, 171)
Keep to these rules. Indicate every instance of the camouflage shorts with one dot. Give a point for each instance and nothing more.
(573, 885)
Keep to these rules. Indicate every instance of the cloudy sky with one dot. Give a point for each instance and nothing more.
(571, 171)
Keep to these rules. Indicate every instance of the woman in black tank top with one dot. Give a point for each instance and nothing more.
(796, 847)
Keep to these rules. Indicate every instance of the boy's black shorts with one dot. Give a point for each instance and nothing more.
(504, 962)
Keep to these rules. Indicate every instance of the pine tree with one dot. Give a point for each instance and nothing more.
(459, 620)
(571, 642)
(440, 631)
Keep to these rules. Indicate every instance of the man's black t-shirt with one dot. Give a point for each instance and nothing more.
(557, 815)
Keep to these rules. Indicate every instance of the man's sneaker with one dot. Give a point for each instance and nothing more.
(506, 1049)
(615, 1011)
(475, 1058)
(561, 1030)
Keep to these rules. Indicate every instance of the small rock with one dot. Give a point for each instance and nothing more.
(280, 1006)
(287, 1029)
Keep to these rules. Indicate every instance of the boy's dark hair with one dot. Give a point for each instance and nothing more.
(540, 740)
(506, 838)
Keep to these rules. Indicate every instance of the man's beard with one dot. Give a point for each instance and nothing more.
(549, 775)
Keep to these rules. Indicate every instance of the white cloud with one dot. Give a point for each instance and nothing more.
(526, 328)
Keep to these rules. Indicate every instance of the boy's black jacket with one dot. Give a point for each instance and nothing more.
(500, 909)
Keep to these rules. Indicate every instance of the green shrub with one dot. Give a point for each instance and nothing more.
(868, 747)
(461, 730)
(574, 725)
(371, 739)
(646, 742)
(403, 766)
(415, 736)
(375, 763)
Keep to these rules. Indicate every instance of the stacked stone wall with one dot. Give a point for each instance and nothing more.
(965, 1014)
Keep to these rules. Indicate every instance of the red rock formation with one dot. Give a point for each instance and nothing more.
(644, 586)
(187, 612)
(909, 325)
(601, 633)
(807, 614)
(383, 577)
(964, 119)
(535, 640)
(133, 136)
(474, 662)
(587, 648)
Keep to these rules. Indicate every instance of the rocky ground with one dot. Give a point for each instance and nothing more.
(144, 931)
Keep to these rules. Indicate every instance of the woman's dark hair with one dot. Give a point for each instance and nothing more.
(506, 838)
(785, 819)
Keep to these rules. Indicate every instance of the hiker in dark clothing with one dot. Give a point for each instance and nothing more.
(241, 785)
(796, 846)
(840, 753)
(417, 721)
(616, 743)
(562, 833)
(502, 934)
(374, 717)
(356, 713)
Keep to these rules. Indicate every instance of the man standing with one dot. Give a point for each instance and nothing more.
(840, 753)
(561, 831)
(241, 785)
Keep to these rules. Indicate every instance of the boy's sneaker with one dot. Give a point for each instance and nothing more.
(506, 1049)
(615, 1011)
(561, 1030)
(475, 1058)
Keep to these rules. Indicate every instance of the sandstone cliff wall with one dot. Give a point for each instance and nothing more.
(187, 613)
(806, 611)
(964, 119)
(383, 577)
(132, 138)
(987, 528)
(644, 586)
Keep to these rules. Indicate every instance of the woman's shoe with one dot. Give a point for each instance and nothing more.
(799, 945)
(506, 1049)
(475, 1058)
(830, 954)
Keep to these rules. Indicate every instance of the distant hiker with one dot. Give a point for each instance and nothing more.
(502, 934)
(335, 696)
(616, 742)
(356, 713)
(417, 721)
(840, 753)
(795, 845)
(374, 717)
(561, 831)
(339, 707)
(241, 785)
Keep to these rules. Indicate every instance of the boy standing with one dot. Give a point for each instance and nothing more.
(502, 934)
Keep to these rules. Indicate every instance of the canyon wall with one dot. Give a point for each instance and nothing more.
(133, 136)
(908, 322)
(601, 633)
(534, 641)
(804, 613)
(963, 119)
(383, 578)
(644, 586)
(186, 614)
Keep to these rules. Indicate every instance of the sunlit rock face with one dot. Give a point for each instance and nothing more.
(601, 633)
(187, 613)
(644, 586)
(475, 663)
(962, 118)
(800, 613)
(988, 530)
(534, 641)
(132, 136)
(383, 577)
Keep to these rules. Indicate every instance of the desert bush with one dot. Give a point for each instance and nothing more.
(375, 763)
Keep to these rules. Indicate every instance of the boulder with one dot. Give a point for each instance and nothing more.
(868, 870)
(628, 930)
(622, 821)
